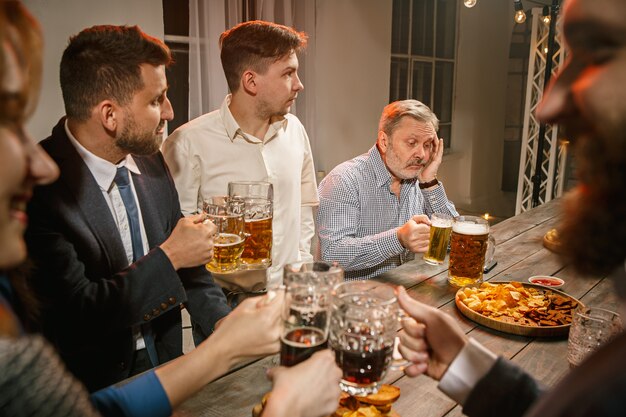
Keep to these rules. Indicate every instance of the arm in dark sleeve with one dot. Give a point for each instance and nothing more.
(506, 390)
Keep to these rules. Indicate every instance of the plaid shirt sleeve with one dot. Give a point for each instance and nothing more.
(338, 219)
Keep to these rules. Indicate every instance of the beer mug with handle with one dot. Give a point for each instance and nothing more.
(363, 330)
(471, 248)
(440, 229)
(257, 197)
(306, 310)
(229, 241)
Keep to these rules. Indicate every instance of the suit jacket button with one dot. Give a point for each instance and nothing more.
(163, 306)
(156, 312)
(146, 317)
(122, 365)
(172, 300)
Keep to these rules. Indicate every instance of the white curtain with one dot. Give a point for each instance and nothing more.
(209, 18)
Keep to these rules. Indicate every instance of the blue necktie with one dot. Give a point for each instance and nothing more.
(122, 181)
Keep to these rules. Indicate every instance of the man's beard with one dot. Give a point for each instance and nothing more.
(593, 229)
(135, 142)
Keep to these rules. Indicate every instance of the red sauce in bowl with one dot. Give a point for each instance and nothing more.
(546, 281)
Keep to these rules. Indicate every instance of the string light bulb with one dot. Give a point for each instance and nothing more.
(546, 15)
(520, 15)
(469, 3)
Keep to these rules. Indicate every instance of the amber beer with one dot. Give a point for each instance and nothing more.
(257, 252)
(227, 251)
(440, 229)
(468, 245)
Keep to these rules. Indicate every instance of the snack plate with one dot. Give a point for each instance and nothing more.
(518, 329)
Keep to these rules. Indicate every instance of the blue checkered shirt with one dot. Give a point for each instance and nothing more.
(359, 215)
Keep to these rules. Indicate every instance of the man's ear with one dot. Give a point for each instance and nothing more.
(108, 113)
(249, 82)
(382, 141)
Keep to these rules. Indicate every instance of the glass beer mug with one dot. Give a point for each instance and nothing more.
(306, 310)
(440, 229)
(229, 241)
(471, 247)
(363, 328)
(257, 197)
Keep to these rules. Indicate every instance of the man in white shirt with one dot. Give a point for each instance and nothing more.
(587, 99)
(253, 137)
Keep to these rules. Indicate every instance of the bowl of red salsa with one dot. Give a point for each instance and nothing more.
(546, 281)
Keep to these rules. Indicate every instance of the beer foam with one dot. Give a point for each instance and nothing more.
(227, 239)
(470, 228)
(443, 223)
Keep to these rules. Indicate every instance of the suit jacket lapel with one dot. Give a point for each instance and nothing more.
(148, 192)
(80, 183)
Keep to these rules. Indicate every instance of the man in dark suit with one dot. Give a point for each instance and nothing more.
(114, 259)
(588, 100)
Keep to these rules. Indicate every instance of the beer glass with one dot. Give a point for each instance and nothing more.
(363, 328)
(591, 328)
(471, 247)
(229, 241)
(306, 310)
(257, 197)
(440, 229)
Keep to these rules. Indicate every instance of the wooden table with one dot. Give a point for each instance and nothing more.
(520, 254)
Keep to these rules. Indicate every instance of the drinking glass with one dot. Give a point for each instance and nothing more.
(363, 328)
(229, 241)
(440, 229)
(306, 310)
(258, 211)
(591, 328)
(471, 247)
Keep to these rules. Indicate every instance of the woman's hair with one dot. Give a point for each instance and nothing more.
(21, 33)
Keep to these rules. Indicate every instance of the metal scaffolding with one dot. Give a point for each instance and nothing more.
(537, 140)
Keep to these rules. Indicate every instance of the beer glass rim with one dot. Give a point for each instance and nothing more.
(372, 285)
(296, 267)
(588, 313)
(469, 218)
(251, 183)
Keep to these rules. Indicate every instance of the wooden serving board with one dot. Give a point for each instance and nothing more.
(512, 328)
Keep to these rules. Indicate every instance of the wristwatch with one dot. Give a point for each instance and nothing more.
(429, 184)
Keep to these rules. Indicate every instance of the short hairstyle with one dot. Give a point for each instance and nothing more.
(22, 33)
(394, 112)
(255, 45)
(104, 62)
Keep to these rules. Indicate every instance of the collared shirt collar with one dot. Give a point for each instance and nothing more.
(382, 174)
(102, 170)
(233, 130)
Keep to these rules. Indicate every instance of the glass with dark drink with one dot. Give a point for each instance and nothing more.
(306, 309)
(363, 327)
(257, 197)
(471, 247)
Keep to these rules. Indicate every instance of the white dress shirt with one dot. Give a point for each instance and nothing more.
(104, 172)
(207, 153)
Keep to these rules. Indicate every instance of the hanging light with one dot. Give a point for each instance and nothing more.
(469, 3)
(520, 15)
(546, 15)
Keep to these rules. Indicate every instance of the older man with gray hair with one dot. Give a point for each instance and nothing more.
(374, 209)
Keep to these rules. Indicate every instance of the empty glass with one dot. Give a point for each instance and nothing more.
(591, 328)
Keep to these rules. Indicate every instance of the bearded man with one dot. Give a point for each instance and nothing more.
(587, 99)
(114, 259)
(374, 209)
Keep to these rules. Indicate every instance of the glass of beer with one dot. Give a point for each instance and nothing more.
(363, 328)
(470, 246)
(306, 310)
(229, 241)
(257, 197)
(440, 229)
